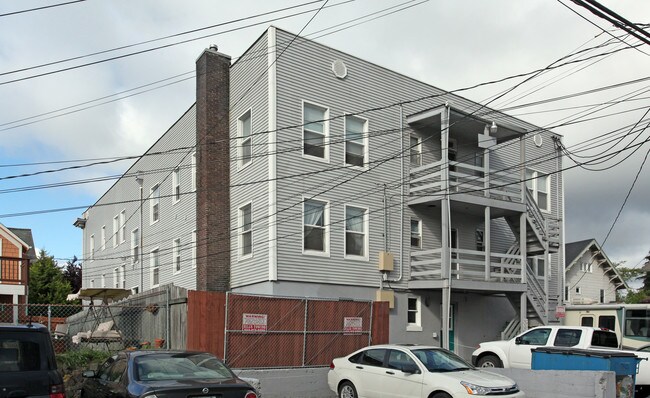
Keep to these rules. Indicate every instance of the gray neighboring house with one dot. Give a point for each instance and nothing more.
(316, 173)
(590, 276)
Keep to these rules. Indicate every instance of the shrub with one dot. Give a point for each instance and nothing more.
(80, 359)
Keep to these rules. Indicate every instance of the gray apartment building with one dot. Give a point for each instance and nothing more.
(304, 171)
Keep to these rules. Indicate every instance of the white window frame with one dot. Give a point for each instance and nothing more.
(326, 232)
(417, 325)
(419, 246)
(602, 296)
(326, 134)
(103, 280)
(116, 229)
(364, 139)
(154, 201)
(241, 162)
(365, 233)
(578, 290)
(481, 232)
(135, 289)
(534, 182)
(92, 283)
(193, 171)
(122, 237)
(586, 267)
(240, 217)
(194, 249)
(102, 237)
(176, 185)
(123, 276)
(153, 255)
(418, 149)
(176, 256)
(567, 294)
(116, 282)
(91, 247)
(135, 244)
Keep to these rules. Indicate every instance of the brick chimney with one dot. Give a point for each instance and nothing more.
(213, 171)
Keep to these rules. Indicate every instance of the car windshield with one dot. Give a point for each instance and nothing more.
(438, 360)
(170, 366)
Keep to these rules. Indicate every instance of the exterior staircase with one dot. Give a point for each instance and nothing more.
(542, 232)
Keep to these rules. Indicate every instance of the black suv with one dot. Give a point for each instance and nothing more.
(27, 363)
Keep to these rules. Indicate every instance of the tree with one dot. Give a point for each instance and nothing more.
(72, 273)
(46, 282)
(643, 294)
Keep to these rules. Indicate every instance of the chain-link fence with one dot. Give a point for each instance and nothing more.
(139, 321)
(272, 331)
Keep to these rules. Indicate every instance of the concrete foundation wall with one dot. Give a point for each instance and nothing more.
(312, 383)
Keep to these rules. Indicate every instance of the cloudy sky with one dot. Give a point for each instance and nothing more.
(67, 118)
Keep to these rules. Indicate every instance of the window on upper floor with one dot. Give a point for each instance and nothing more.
(193, 171)
(176, 255)
(92, 283)
(601, 296)
(194, 249)
(135, 245)
(102, 237)
(176, 184)
(315, 131)
(116, 281)
(356, 141)
(578, 290)
(245, 230)
(315, 226)
(567, 294)
(122, 226)
(480, 240)
(538, 264)
(123, 276)
(539, 185)
(415, 151)
(154, 204)
(586, 267)
(416, 233)
(244, 132)
(103, 280)
(154, 264)
(116, 229)
(356, 231)
(91, 248)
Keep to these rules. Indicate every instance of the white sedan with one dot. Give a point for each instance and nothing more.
(393, 371)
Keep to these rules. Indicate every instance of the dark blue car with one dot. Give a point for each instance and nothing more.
(169, 374)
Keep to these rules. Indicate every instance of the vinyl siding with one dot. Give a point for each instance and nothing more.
(249, 90)
(177, 220)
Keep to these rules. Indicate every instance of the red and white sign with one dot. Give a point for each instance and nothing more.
(254, 323)
(560, 311)
(352, 325)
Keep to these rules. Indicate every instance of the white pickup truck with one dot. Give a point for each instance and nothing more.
(516, 353)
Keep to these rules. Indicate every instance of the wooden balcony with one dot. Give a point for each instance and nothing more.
(13, 271)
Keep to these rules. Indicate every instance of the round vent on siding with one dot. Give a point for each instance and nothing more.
(537, 139)
(339, 69)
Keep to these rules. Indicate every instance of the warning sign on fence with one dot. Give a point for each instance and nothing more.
(352, 325)
(254, 323)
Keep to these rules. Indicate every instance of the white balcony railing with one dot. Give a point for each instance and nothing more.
(467, 265)
(428, 180)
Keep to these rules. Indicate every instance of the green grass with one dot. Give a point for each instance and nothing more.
(80, 359)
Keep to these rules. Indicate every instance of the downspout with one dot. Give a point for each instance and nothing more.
(402, 200)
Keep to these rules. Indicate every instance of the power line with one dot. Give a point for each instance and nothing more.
(40, 8)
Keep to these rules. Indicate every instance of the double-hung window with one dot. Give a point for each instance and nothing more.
(176, 255)
(415, 151)
(135, 245)
(154, 203)
(116, 229)
(539, 186)
(154, 263)
(116, 281)
(244, 129)
(315, 226)
(176, 184)
(356, 130)
(122, 226)
(123, 276)
(245, 231)
(356, 231)
(413, 315)
(416, 233)
(103, 238)
(315, 131)
(538, 264)
(91, 249)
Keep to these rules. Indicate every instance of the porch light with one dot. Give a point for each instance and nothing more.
(493, 128)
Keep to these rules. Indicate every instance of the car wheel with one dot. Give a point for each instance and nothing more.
(440, 395)
(347, 390)
(489, 361)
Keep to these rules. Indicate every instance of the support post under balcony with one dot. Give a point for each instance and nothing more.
(522, 246)
(487, 246)
(523, 312)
